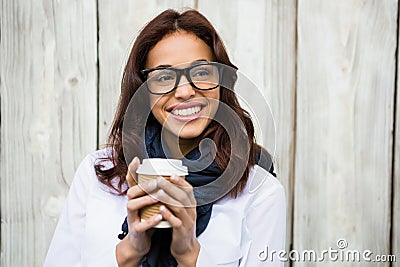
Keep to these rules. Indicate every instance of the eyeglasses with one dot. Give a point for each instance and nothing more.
(163, 80)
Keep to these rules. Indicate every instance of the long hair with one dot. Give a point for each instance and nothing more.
(168, 22)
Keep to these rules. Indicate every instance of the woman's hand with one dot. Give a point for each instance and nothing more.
(137, 243)
(180, 211)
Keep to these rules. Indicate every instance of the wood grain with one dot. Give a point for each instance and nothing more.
(345, 90)
(332, 134)
(395, 238)
(119, 26)
(48, 117)
(263, 47)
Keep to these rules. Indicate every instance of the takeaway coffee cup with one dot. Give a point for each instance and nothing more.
(152, 169)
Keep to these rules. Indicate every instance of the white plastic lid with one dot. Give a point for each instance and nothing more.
(157, 166)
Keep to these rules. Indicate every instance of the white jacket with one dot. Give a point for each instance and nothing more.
(238, 231)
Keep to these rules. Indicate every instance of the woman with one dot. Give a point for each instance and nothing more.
(174, 95)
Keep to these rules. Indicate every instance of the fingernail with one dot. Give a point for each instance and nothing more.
(158, 217)
(162, 208)
(135, 160)
(175, 178)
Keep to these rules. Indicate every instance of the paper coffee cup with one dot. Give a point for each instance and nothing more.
(152, 169)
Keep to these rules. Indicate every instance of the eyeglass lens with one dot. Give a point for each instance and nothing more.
(204, 77)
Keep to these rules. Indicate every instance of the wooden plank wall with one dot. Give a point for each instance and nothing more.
(48, 117)
(263, 48)
(118, 27)
(345, 95)
(326, 68)
(396, 167)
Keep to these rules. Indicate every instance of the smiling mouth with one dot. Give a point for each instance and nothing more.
(187, 111)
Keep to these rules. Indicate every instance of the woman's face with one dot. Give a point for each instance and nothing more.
(186, 111)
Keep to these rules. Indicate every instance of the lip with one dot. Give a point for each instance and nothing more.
(185, 105)
(187, 118)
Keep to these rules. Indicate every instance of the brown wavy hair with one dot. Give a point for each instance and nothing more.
(171, 21)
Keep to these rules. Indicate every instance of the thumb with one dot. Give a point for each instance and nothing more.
(131, 174)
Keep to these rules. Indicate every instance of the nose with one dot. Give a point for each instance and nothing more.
(184, 89)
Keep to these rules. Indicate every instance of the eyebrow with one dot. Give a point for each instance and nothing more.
(191, 63)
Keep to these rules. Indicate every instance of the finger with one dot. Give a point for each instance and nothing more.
(171, 218)
(133, 206)
(183, 213)
(163, 197)
(131, 173)
(133, 217)
(178, 195)
(179, 181)
(141, 202)
(147, 224)
(177, 208)
(184, 185)
(183, 198)
(142, 189)
(180, 185)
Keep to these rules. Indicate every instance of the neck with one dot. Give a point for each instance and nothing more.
(179, 147)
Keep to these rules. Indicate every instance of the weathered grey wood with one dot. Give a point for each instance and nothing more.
(48, 117)
(279, 80)
(345, 89)
(396, 190)
(345, 80)
(119, 24)
(260, 37)
(396, 182)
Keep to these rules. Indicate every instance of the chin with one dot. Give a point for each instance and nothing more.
(189, 134)
(190, 130)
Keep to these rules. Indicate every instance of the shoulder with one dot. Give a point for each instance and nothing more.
(103, 154)
(256, 216)
(85, 173)
(262, 186)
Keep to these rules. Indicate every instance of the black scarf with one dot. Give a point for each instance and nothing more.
(202, 170)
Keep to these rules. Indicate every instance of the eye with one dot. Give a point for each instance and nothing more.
(163, 77)
(201, 73)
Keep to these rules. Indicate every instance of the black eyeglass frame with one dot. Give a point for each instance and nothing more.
(184, 71)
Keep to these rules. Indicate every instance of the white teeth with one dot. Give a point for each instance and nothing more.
(186, 111)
